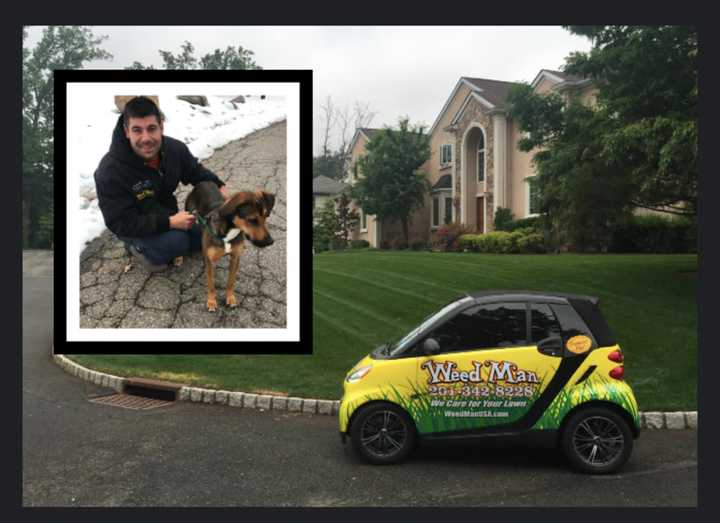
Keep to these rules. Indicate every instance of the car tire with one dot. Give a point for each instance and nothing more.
(382, 433)
(597, 440)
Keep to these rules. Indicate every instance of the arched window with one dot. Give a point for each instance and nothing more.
(481, 158)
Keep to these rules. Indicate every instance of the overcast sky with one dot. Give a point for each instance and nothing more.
(398, 71)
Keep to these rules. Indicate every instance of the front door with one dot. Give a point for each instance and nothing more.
(488, 373)
(480, 210)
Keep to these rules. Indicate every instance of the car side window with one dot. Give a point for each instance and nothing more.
(543, 322)
(571, 323)
(484, 327)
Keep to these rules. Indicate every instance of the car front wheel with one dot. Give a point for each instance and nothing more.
(597, 440)
(382, 433)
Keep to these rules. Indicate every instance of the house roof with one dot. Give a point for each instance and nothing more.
(494, 91)
(491, 93)
(325, 185)
(368, 132)
(445, 182)
(565, 76)
(562, 80)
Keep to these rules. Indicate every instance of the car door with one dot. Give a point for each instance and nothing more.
(488, 373)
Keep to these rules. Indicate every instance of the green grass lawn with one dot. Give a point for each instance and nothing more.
(363, 298)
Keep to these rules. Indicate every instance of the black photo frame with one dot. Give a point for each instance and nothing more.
(296, 340)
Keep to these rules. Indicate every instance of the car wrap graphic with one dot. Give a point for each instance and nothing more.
(459, 395)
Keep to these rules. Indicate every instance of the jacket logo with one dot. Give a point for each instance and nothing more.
(145, 194)
(143, 189)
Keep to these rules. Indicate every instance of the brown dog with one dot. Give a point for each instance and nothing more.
(226, 224)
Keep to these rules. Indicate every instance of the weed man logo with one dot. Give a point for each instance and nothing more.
(445, 372)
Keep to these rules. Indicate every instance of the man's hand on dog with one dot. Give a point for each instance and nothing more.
(225, 193)
(182, 220)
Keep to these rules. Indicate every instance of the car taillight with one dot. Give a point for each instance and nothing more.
(618, 372)
(616, 356)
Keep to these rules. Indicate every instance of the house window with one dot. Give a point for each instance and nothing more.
(533, 196)
(481, 158)
(363, 220)
(448, 210)
(355, 171)
(446, 154)
(435, 211)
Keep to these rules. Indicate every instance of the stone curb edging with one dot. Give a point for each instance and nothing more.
(649, 420)
(247, 400)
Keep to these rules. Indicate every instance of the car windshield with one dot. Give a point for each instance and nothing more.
(409, 338)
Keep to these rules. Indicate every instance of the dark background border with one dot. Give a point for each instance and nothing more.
(218, 346)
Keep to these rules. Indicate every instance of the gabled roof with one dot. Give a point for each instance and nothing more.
(325, 185)
(494, 91)
(368, 132)
(490, 93)
(559, 78)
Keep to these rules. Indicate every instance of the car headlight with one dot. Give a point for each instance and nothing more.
(358, 374)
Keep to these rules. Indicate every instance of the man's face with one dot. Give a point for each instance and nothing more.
(145, 136)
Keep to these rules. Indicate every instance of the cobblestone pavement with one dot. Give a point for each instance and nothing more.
(176, 297)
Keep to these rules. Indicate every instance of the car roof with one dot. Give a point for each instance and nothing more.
(486, 295)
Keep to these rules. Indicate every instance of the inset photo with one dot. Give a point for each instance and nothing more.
(181, 216)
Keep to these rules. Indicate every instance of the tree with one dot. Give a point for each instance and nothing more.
(635, 147)
(333, 163)
(347, 217)
(646, 78)
(231, 58)
(583, 196)
(59, 48)
(327, 230)
(391, 187)
(236, 58)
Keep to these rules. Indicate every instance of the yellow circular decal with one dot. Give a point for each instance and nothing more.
(578, 344)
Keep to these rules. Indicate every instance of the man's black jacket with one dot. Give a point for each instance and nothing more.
(137, 200)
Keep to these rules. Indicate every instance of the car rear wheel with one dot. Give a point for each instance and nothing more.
(382, 433)
(597, 440)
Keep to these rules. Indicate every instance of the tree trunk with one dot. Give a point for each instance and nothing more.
(405, 231)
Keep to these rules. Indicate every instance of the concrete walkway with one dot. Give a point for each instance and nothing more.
(110, 298)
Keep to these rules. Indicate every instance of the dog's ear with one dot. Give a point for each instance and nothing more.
(266, 201)
(229, 207)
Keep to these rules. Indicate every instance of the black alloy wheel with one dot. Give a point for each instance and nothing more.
(382, 433)
(597, 440)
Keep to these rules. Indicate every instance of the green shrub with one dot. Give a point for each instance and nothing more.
(533, 243)
(525, 223)
(655, 234)
(503, 219)
(418, 245)
(359, 244)
(503, 242)
(468, 242)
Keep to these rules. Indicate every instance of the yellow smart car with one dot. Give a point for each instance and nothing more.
(497, 363)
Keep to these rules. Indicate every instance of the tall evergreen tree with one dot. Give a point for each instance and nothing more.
(59, 48)
(236, 58)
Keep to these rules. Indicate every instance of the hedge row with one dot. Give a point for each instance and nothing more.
(501, 242)
(655, 234)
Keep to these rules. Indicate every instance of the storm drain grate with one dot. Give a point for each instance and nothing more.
(128, 401)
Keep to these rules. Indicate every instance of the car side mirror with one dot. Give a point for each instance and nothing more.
(552, 346)
(430, 346)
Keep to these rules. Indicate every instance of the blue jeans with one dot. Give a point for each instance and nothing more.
(161, 248)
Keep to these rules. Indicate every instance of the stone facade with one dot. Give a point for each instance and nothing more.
(474, 114)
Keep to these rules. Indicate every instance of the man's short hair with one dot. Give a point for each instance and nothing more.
(140, 107)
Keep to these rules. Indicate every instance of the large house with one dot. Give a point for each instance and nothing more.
(475, 166)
